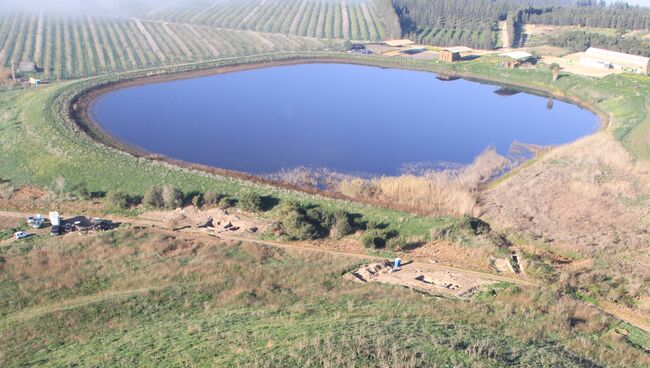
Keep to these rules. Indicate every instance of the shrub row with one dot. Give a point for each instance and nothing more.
(170, 197)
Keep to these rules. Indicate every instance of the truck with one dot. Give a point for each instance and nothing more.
(55, 220)
(36, 221)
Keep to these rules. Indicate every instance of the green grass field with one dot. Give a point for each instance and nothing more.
(137, 297)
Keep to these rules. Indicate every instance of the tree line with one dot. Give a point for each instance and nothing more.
(617, 15)
(475, 23)
(581, 41)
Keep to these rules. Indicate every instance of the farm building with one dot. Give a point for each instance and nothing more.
(452, 54)
(518, 58)
(605, 59)
(399, 43)
(27, 67)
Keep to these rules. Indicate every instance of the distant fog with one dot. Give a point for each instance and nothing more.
(125, 6)
(84, 6)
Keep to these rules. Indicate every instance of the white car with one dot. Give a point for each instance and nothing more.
(20, 235)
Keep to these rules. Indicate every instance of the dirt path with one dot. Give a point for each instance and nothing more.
(345, 20)
(149, 38)
(226, 236)
(504, 35)
(293, 29)
(35, 312)
(631, 318)
(624, 315)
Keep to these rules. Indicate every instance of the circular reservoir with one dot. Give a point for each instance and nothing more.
(347, 118)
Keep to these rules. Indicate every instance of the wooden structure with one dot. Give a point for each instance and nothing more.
(452, 54)
(518, 58)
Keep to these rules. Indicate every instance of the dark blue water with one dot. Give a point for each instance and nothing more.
(347, 118)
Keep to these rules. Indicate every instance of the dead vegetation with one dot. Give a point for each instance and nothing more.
(436, 193)
(6, 190)
(590, 198)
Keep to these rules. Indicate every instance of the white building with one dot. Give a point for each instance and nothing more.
(605, 59)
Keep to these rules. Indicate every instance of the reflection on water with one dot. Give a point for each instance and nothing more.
(349, 119)
(507, 91)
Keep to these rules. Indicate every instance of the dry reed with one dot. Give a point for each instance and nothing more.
(437, 193)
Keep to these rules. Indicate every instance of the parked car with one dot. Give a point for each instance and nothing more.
(20, 235)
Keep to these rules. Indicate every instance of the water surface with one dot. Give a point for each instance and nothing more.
(347, 118)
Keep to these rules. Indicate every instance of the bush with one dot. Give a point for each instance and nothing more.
(226, 202)
(172, 197)
(6, 190)
(197, 201)
(119, 200)
(461, 229)
(297, 225)
(320, 216)
(153, 198)
(396, 243)
(343, 224)
(80, 191)
(313, 222)
(252, 202)
(212, 198)
(379, 238)
(374, 239)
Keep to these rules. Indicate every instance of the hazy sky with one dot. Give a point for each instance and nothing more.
(117, 5)
(640, 2)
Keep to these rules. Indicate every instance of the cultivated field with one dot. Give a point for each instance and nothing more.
(68, 47)
(351, 19)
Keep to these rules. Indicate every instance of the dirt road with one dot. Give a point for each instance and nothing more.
(612, 310)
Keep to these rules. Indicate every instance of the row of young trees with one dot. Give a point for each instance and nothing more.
(423, 12)
(331, 19)
(480, 39)
(581, 40)
(478, 20)
(617, 15)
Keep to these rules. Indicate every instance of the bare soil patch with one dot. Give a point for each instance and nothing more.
(420, 277)
(590, 197)
(216, 220)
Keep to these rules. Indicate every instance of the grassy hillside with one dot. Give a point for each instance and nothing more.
(139, 297)
(352, 19)
(73, 46)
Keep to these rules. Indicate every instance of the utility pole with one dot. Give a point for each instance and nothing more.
(13, 70)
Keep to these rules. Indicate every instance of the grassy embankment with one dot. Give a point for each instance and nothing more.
(130, 297)
(40, 145)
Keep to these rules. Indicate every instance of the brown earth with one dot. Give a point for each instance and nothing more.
(217, 220)
(589, 198)
(421, 277)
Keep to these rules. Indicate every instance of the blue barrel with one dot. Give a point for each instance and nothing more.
(397, 263)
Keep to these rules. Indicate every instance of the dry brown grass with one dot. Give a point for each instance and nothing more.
(591, 198)
(276, 282)
(437, 193)
(6, 190)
